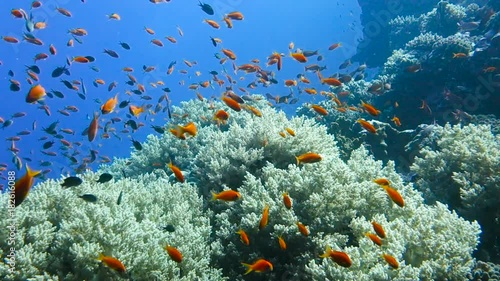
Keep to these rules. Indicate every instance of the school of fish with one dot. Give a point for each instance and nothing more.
(125, 109)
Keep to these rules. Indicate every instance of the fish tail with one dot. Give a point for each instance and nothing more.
(100, 257)
(214, 196)
(327, 252)
(30, 172)
(298, 160)
(249, 266)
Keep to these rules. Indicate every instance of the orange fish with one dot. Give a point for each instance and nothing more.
(171, 39)
(230, 54)
(157, 42)
(334, 46)
(221, 116)
(149, 30)
(367, 126)
(226, 195)
(282, 243)
(235, 15)
(309, 157)
(290, 131)
(260, 265)
(265, 217)
(177, 172)
(299, 57)
(394, 195)
(135, 110)
(319, 109)
(382, 181)
(459, 55)
(370, 109)
(179, 131)
(114, 16)
(112, 263)
(23, 185)
(228, 22)
(92, 131)
(174, 254)
(109, 105)
(52, 50)
(81, 59)
(302, 229)
(287, 200)
(375, 239)
(391, 261)
(212, 23)
(10, 39)
(35, 94)
(243, 237)
(231, 103)
(253, 110)
(378, 229)
(338, 257)
(290, 83)
(396, 121)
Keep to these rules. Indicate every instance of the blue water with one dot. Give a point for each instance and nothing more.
(268, 26)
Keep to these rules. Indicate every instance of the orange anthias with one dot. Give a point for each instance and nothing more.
(177, 172)
(35, 94)
(338, 257)
(226, 195)
(112, 263)
(265, 218)
(23, 186)
(174, 253)
(260, 265)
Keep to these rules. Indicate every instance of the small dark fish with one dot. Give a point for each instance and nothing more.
(14, 87)
(71, 181)
(158, 129)
(119, 201)
(7, 123)
(137, 145)
(60, 71)
(18, 114)
(124, 104)
(111, 53)
(105, 177)
(90, 58)
(88, 197)
(52, 128)
(137, 92)
(213, 72)
(84, 89)
(345, 64)
(48, 145)
(132, 124)
(168, 227)
(167, 90)
(67, 84)
(33, 68)
(218, 56)
(49, 94)
(309, 53)
(125, 46)
(78, 40)
(206, 8)
(45, 163)
(82, 96)
(172, 63)
(95, 68)
(10, 73)
(213, 41)
(58, 94)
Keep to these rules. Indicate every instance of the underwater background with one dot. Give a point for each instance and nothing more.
(250, 140)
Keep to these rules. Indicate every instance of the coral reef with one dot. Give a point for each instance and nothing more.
(459, 166)
(60, 235)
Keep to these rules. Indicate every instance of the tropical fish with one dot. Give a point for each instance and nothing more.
(243, 237)
(309, 157)
(88, 197)
(35, 94)
(338, 257)
(71, 181)
(287, 200)
(303, 229)
(112, 263)
(260, 265)
(23, 185)
(265, 218)
(104, 177)
(177, 172)
(174, 253)
(206, 8)
(226, 195)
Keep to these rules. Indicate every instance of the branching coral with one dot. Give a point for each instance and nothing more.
(460, 167)
(60, 235)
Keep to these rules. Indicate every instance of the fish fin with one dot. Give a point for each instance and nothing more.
(30, 172)
(249, 266)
